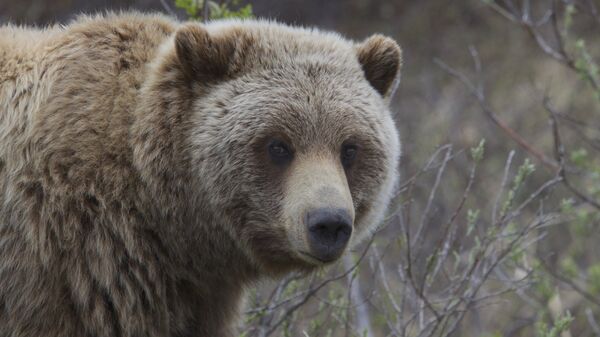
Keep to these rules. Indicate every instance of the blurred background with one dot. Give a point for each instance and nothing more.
(494, 231)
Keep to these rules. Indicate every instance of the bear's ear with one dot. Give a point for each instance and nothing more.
(381, 59)
(202, 56)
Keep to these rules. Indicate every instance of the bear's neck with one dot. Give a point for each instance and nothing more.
(208, 300)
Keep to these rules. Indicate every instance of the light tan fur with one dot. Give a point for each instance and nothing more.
(136, 198)
(317, 182)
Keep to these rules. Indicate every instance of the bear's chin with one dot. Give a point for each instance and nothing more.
(279, 267)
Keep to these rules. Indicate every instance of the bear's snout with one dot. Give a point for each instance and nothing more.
(329, 230)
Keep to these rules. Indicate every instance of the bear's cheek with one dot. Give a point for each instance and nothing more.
(372, 185)
(270, 248)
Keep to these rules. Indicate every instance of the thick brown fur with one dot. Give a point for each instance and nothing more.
(135, 199)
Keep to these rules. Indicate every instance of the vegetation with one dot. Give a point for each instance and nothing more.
(205, 9)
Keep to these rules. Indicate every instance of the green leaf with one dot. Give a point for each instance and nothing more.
(478, 151)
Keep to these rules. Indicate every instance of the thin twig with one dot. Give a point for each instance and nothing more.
(205, 11)
(168, 8)
(503, 185)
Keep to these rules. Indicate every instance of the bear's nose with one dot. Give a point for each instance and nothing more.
(328, 232)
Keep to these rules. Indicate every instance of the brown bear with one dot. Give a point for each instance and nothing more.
(151, 170)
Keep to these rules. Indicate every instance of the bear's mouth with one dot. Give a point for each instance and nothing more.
(316, 260)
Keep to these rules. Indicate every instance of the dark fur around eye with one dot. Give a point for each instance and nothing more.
(279, 152)
(348, 155)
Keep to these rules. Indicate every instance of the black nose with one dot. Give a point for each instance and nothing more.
(329, 230)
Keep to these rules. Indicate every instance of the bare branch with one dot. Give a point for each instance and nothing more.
(559, 153)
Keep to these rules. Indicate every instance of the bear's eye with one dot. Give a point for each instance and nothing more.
(348, 154)
(279, 152)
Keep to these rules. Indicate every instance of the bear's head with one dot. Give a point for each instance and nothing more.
(291, 144)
